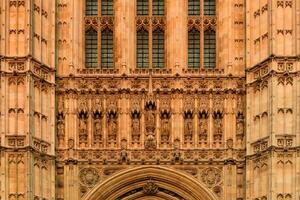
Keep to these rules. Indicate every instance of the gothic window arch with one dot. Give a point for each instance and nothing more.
(91, 48)
(99, 37)
(150, 35)
(142, 48)
(194, 48)
(209, 48)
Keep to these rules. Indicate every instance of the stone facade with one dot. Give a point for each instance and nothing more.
(69, 132)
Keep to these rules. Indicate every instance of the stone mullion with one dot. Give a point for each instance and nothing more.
(99, 35)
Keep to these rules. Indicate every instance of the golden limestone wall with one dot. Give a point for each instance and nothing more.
(66, 129)
(27, 102)
(273, 90)
(189, 120)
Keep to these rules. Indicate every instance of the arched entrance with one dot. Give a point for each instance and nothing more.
(150, 183)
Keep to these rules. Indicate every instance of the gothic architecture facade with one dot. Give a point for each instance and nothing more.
(150, 99)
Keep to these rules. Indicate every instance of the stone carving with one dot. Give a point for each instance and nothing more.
(150, 124)
(240, 126)
(83, 117)
(165, 127)
(112, 126)
(203, 126)
(89, 177)
(150, 188)
(188, 126)
(218, 126)
(135, 121)
(60, 128)
(211, 176)
(97, 117)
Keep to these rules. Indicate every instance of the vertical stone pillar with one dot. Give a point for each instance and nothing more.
(176, 34)
(124, 34)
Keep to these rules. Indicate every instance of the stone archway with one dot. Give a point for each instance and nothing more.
(151, 183)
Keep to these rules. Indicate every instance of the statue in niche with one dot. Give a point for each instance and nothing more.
(97, 130)
(218, 126)
(150, 117)
(135, 127)
(165, 127)
(240, 126)
(60, 128)
(203, 129)
(82, 128)
(123, 153)
(112, 127)
(188, 129)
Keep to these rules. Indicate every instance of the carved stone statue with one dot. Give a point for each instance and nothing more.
(112, 128)
(150, 120)
(188, 129)
(218, 128)
(97, 130)
(83, 130)
(203, 129)
(135, 126)
(150, 142)
(165, 129)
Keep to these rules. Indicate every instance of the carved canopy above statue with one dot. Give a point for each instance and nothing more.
(150, 182)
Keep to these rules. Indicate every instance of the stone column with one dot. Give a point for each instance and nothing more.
(176, 34)
(124, 34)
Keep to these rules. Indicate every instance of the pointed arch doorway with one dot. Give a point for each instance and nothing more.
(150, 183)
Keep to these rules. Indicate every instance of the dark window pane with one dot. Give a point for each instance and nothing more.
(91, 48)
(91, 7)
(209, 49)
(107, 7)
(158, 7)
(158, 48)
(194, 49)
(194, 7)
(142, 49)
(107, 49)
(142, 7)
(209, 7)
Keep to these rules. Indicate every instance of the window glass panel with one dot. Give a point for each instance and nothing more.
(158, 48)
(194, 7)
(107, 7)
(209, 7)
(158, 7)
(142, 7)
(91, 7)
(91, 49)
(209, 49)
(142, 49)
(194, 49)
(107, 55)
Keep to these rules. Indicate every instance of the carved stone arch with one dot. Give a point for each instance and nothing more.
(148, 182)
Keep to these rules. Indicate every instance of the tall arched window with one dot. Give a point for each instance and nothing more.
(209, 7)
(194, 7)
(194, 48)
(91, 48)
(107, 51)
(158, 49)
(142, 48)
(91, 7)
(209, 49)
